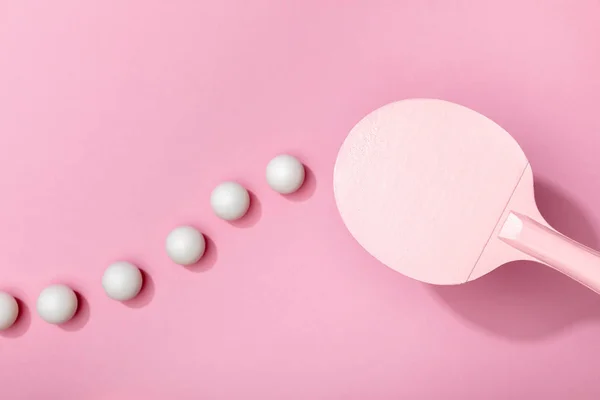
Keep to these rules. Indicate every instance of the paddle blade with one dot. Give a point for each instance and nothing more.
(421, 184)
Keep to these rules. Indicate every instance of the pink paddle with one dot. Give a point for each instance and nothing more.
(444, 195)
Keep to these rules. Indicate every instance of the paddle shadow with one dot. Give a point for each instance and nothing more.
(527, 300)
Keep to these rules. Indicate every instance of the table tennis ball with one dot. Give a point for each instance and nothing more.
(122, 281)
(9, 310)
(285, 174)
(230, 201)
(185, 245)
(57, 304)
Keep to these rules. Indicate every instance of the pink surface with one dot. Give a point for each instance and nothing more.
(118, 118)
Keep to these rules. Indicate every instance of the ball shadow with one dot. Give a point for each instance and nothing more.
(22, 324)
(253, 214)
(307, 189)
(527, 300)
(145, 295)
(81, 317)
(208, 260)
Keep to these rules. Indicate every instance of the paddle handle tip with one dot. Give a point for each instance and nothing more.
(552, 248)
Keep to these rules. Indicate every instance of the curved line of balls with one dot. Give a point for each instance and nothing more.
(185, 245)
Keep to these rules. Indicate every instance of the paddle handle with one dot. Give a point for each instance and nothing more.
(552, 248)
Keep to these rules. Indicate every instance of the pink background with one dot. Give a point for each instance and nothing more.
(117, 118)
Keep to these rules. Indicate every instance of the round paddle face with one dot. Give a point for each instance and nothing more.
(422, 185)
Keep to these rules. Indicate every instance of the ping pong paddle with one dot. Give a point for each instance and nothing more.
(442, 194)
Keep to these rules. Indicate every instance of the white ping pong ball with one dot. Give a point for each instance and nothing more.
(9, 310)
(185, 245)
(230, 201)
(57, 304)
(122, 281)
(285, 174)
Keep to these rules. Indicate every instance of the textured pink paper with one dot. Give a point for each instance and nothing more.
(117, 118)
